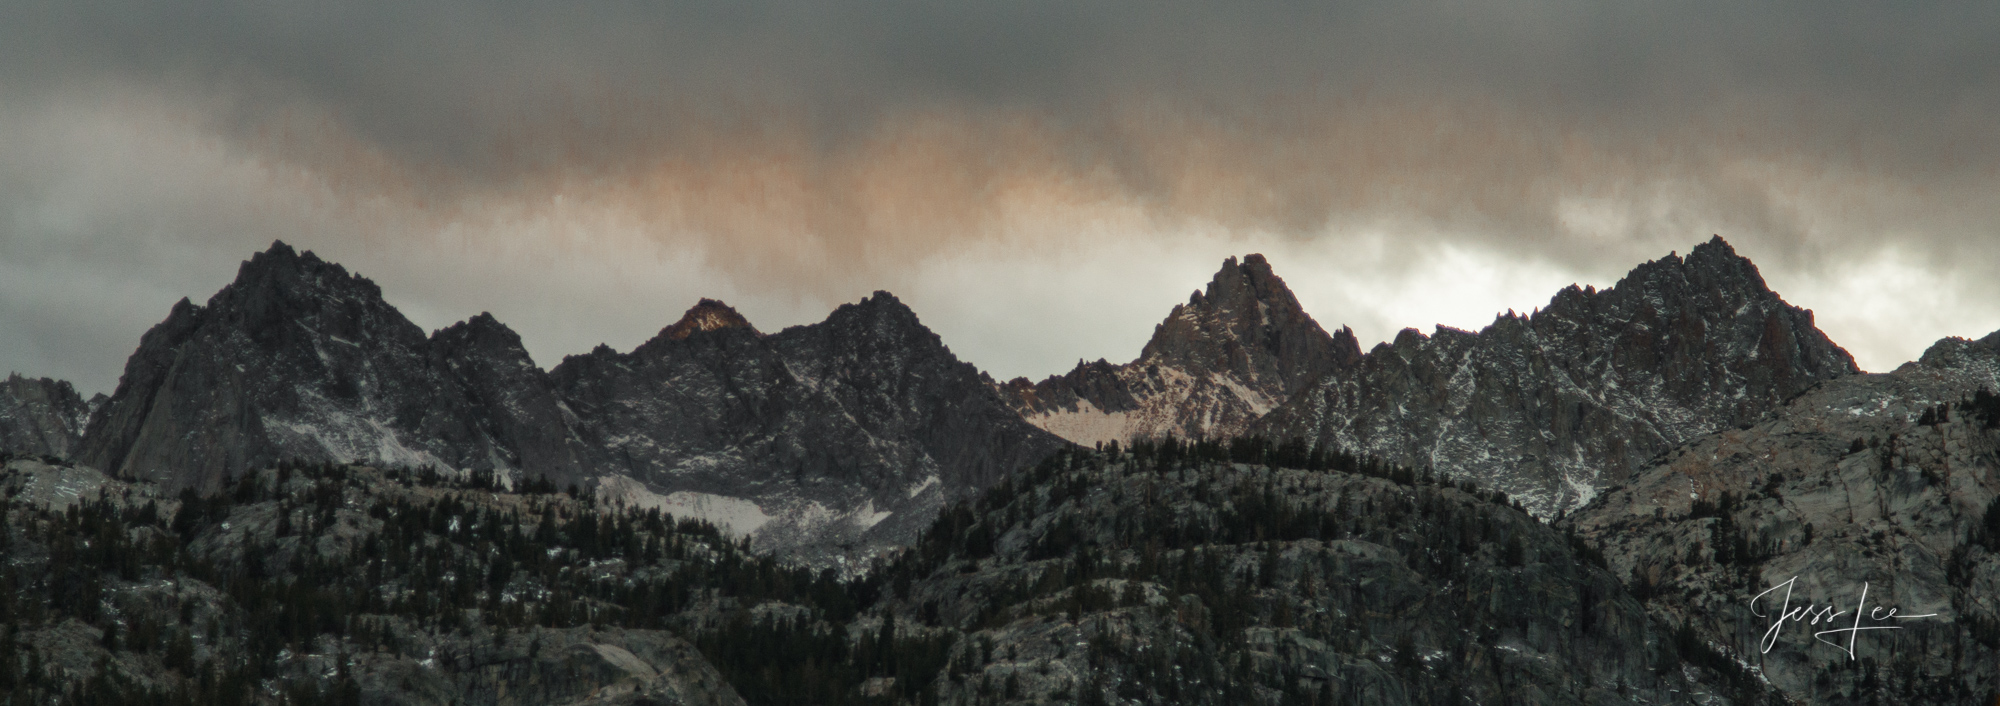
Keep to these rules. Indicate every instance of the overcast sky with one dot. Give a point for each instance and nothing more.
(1041, 181)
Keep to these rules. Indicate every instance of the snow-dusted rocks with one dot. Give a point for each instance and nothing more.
(848, 433)
(842, 437)
(1551, 406)
(40, 416)
(1215, 365)
(299, 359)
(1884, 479)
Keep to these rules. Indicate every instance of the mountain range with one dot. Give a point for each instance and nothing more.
(295, 494)
(837, 437)
(846, 436)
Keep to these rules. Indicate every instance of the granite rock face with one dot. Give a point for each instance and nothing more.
(40, 416)
(512, 401)
(297, 359)
(1216, 364)
(847, 433)
(1551, 406)
(1888, 480)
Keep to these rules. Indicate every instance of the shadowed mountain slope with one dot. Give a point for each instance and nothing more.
(1552, 405)
(1892, 480)
(298, 359)
(850, 432)
(40, 416)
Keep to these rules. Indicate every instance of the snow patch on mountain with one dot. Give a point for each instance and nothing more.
(930, 481)
(1087, 425)
(736, 516)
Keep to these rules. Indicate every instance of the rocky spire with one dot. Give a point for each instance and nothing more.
(1248, 324)
(1236, 349)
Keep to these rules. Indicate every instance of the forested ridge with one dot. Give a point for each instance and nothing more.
(1233, 571)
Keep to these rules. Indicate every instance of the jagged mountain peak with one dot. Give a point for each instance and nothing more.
(1550, 406)
(706, 315)
(1712, 270)
(283, 270)
(885, 318)
(483, 331)
(1246, 322)
(282, 297)
(483, 322)
(878, 304)
(298, 358)
(1237, 348)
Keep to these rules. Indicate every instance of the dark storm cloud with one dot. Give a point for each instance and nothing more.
(441, 80)
(821, 149)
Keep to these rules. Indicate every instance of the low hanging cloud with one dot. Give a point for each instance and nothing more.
(1040, 180)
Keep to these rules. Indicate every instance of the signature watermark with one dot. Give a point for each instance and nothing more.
(1813, 614)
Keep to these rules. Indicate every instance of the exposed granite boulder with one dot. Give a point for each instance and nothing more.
(1553, 405)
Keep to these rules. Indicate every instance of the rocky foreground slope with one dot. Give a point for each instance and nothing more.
(1179, 574)
(1244, 574)
(349, 585)
(1553, 405)
(1883, 482)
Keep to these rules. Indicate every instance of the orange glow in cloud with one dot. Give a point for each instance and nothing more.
(794, 215)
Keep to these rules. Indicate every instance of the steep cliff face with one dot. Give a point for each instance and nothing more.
(1551, 406)
(298, 359)
(512, 402)
(1215, 365)
(1887, 480)
(40, 416)
(846, 433)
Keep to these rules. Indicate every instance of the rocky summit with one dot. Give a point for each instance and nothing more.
(1218, 363)
(829, 442)
(1240, 573)
(297, 359)
(1553, 405)
(1658, 493)
(353, 585)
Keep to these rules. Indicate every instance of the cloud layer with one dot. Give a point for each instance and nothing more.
(1041, 180)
